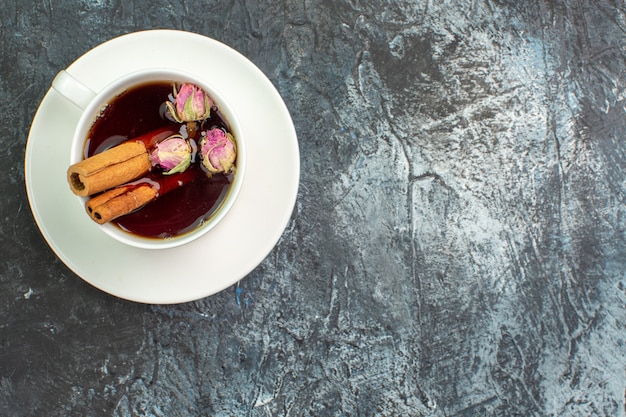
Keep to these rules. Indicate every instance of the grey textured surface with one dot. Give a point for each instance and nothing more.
(458, 245)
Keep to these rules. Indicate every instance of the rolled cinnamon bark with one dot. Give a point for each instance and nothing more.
(120, 201)
(115, 166)
(127, 198)
(118, 165)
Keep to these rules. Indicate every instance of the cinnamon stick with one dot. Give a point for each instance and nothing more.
(127, 198)
(115, 166)
(119, 201)
(118, 165)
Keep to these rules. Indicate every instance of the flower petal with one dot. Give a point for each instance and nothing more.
(218, 151)
(186, 91)
(172, 154)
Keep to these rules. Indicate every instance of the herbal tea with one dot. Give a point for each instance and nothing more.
(184, 173)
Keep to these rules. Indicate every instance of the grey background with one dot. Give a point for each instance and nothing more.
(457, 247)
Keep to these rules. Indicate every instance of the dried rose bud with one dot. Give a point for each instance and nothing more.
(218, 151)
(172, 155)
(191, 104)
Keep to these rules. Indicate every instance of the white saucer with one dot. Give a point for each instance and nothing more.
(237, 244)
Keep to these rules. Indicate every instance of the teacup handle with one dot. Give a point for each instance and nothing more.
(72, 89)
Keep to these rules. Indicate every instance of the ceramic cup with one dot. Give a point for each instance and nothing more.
(92, 102)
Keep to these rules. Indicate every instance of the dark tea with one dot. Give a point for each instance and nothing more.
(141, 110)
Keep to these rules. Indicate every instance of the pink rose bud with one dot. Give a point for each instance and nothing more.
(191, 104)
(172, 155)
(218, 151)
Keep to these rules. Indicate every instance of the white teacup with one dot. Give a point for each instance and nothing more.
(92, 103)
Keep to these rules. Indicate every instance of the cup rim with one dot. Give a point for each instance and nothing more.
(118, 86)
